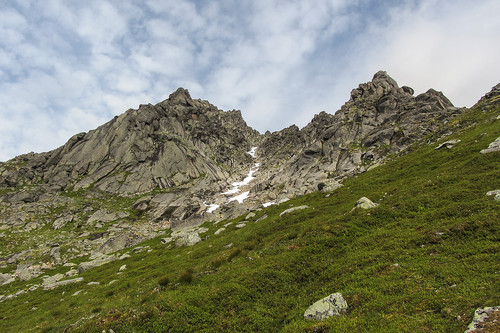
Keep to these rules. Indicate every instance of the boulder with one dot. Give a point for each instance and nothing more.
(188, 236)
(408, 90)
(485, 320)
(62, 283)
(332, 305)
(365, 203)
(6, 278)
(104, 259)
(289, 210)
(219, 231)
(493, 147)
(114, 244)
(329, 186)
(71, 272)
(263, 217)
(250, 215)
(52, 279)
(104, 216)
(167, 240)
(61, 222)
(26, 272)
(448, 144)
(188, 240)
(496, 193)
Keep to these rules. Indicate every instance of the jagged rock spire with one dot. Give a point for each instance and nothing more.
(182, 97)
(382, 76)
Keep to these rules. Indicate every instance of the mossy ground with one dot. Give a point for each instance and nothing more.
(422, 261)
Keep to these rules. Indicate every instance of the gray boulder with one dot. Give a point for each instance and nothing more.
(484, 320)
(365, 203)
(219, 231)
(289, 210)
(71, 272)
(62, 283)
(61, 222)
(6, 278)
(332, 305)
(329, 186)
(52, 279)
(448, 144)
(250, 215)
(104, 259)
(104, 216)
(26, 272)
(188, 236)
(493, 147)
(189, 239)
(496, 193)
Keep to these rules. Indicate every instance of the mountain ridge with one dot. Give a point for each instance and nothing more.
(170, 165)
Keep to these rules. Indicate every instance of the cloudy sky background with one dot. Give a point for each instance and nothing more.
(69, 66)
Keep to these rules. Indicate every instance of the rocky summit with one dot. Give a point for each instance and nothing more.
(175, 164)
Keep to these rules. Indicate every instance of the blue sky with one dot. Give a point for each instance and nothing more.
(69, 66)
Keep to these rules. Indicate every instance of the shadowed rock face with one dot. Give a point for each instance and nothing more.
(175, 158)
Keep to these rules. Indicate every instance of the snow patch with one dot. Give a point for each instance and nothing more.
(246, 181)
(252, 152)
(236, 185)
(267, 204)
(240, 197)
(212, 207)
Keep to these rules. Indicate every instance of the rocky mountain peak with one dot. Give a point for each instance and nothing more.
(436, 98)
(491, 98)
(379, 119)
(381, 84)
(382, 77)
(181, 97)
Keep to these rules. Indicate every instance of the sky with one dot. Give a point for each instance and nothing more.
(68, 66)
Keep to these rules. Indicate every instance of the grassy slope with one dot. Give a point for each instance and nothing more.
(396, 270)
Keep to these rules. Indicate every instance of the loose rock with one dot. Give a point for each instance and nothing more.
(485, 320)
(493, 147)
(289, 210)
(448, 144)
(62, 283)
(332, 305)
(496, 193)
(219, 231)
(96, 262)
(365, 203)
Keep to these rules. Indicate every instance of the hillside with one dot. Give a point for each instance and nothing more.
(421, 261)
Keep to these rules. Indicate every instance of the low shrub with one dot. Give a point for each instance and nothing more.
(164, 281)
(186, 277)
(234, 253)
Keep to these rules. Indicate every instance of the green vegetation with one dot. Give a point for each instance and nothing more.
(422, 261)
